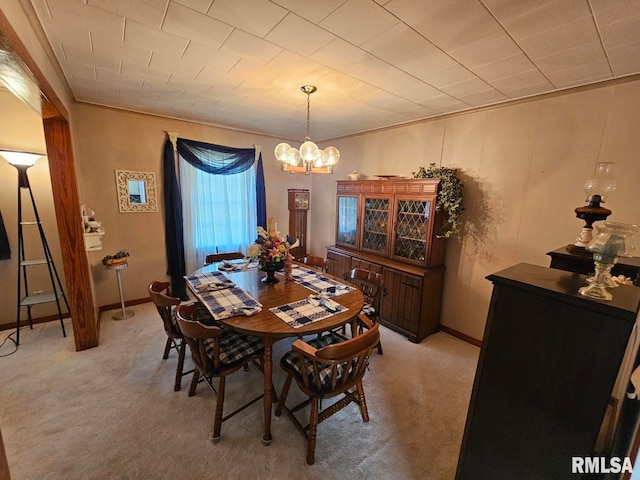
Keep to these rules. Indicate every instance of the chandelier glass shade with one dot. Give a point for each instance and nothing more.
(308, 158)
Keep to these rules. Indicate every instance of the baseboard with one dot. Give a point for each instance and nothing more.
(34, 321)
(461, 336)
(113, 306)
(53, 318)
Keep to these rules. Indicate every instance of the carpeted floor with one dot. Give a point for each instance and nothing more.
(111, 413)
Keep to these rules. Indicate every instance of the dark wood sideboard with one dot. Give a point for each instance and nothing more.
(548, 363)
(573, 259)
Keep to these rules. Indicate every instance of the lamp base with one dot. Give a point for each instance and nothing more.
(597, 287)
(586, 235)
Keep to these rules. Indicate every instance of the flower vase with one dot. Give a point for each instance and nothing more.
(270, 268)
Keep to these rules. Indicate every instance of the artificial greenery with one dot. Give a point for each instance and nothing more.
(117, 256)
(450, 197)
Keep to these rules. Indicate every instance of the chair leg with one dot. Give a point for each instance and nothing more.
(217, 422)
(283, 395)
(194, 382)
(167, 348)
(363, 402)
(313, 430)
(179, 368)
(379, 347)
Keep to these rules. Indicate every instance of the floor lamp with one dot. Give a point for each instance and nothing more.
(22, 161)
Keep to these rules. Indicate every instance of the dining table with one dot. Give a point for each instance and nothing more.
(267, 325)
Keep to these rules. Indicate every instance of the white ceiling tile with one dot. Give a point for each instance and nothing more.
(487, 50)
(193, 66)
(449, 24)
(544, 16)
(607, 12)
(505, 67)
(71, 68)
(466, 87)
(625, 59)
(530, 78)
(91, 59)
(625, 31)
(148, 12)
(145, 73)
(142, 36)
(245, 45)
(448, 76)
(114, 46)
(580, 74)
(569, 35)
(396, 44)
(312, 10)
(256, 17)
(198, 5)
(200, 55)
(486, 97)
(192, 25)
(562, 59)
(299, 35)
(118, 79)
(372, 20)
(428, 60)
(74, 15)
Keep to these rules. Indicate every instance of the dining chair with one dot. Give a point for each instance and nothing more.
(326, 367)
(161, 297)
(219, 257)
(371, 286)
(315, 262)
(217, 352)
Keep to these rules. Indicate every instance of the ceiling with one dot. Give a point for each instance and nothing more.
(241, 63)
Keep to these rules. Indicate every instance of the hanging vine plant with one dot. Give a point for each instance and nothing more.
(450, 197)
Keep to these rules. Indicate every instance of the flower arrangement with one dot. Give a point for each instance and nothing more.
(272, 248)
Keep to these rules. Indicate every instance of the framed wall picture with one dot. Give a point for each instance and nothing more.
(136, 191)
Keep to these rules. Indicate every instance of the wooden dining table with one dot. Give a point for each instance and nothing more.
(270, 328)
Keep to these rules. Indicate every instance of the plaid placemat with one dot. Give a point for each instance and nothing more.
(318, 283)
(225, 302)
(237, 265)
(306, 311)
(209, 281)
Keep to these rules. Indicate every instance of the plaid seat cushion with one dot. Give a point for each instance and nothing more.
(234, 347)
(368, 309)
(291, 360)
(201, 315)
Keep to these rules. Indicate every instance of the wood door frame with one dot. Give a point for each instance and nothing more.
(64, 186)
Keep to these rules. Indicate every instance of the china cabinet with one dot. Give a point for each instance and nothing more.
(390, 227)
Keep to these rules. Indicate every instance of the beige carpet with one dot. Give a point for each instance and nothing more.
(111, 413)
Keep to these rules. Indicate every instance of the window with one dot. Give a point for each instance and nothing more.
(219, 211)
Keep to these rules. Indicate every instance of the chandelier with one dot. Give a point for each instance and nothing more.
(308, 158)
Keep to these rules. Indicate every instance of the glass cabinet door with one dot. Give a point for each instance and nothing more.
(347, 225)
(375, 233)
(412, 228)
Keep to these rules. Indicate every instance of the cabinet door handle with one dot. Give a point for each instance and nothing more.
(384, 292)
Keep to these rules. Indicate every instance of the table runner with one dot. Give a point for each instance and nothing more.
(222, 302)
(318, 283)
(306, 311)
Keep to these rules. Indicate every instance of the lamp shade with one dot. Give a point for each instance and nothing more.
(18, 158)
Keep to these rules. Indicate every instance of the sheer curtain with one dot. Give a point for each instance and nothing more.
(218, 203)
(218, 212)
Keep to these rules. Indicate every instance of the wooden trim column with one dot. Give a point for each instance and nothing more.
(69, 220)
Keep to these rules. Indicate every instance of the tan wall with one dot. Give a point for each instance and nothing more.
(21, 129)
(108, 140)
(524, 167)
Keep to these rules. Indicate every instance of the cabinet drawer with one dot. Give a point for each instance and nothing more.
(363, 264)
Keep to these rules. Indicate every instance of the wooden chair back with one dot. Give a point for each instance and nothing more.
(348, 361)
(219, 257)
(164, 302)
(369, 283)
(316, 262)
(197, 336)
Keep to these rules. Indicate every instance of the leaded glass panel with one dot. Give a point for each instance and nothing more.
(411, 229)
(376, 224)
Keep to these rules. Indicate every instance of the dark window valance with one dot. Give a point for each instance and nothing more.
(216, 159)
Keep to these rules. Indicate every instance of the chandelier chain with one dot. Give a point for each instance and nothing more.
(308, 115)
